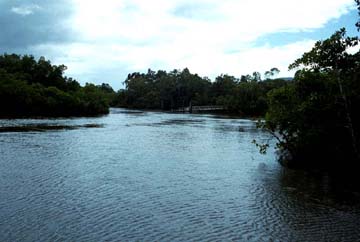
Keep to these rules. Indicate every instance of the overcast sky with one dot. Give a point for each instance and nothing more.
(103, 41)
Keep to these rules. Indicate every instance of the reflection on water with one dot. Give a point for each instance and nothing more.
(309, 207)
(155, 176)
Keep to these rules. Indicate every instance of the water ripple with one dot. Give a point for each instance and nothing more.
(179, 177)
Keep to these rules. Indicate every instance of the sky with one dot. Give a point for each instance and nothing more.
(103, 41)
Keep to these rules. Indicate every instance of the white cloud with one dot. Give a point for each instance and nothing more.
(111, 63)
(237, 20)
(25, 10)
(134, 35)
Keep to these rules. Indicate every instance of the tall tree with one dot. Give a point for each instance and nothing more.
(314, 117)
(331, 56)
(358, 7)
(272, 72)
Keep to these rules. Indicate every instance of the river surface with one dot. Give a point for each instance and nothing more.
(148, 176)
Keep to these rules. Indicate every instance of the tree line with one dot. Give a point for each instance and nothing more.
(30, 87)
(180, 88)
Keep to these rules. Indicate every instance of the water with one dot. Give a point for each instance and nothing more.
(147, 176)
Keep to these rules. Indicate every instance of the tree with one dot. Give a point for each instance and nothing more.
(358, 7)
(312, 118)
(245, 78)
(38, 88)
(272, 72)
(256, 76)
(330, 56)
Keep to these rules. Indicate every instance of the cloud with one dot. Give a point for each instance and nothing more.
(33, 23)
(25, 10)
(197, 10)
(105, 40)
(236, 20)
(111, 63)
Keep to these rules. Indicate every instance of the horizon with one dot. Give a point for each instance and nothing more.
(104, 42)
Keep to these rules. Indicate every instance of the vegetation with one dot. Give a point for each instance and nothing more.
(38, 88)
(178, 89)
(316, 118)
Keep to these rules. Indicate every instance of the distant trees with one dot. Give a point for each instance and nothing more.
(162, 90)
(272, 72)
(177, 89)
(38, 88)
(30, 87)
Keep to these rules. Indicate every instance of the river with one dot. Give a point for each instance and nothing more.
(151, 176)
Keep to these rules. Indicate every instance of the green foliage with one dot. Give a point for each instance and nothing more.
(329, 54)
(316, 118)
(262, 147)
(37, 88)
(162, 90)
(272, 72)
(178, 89)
